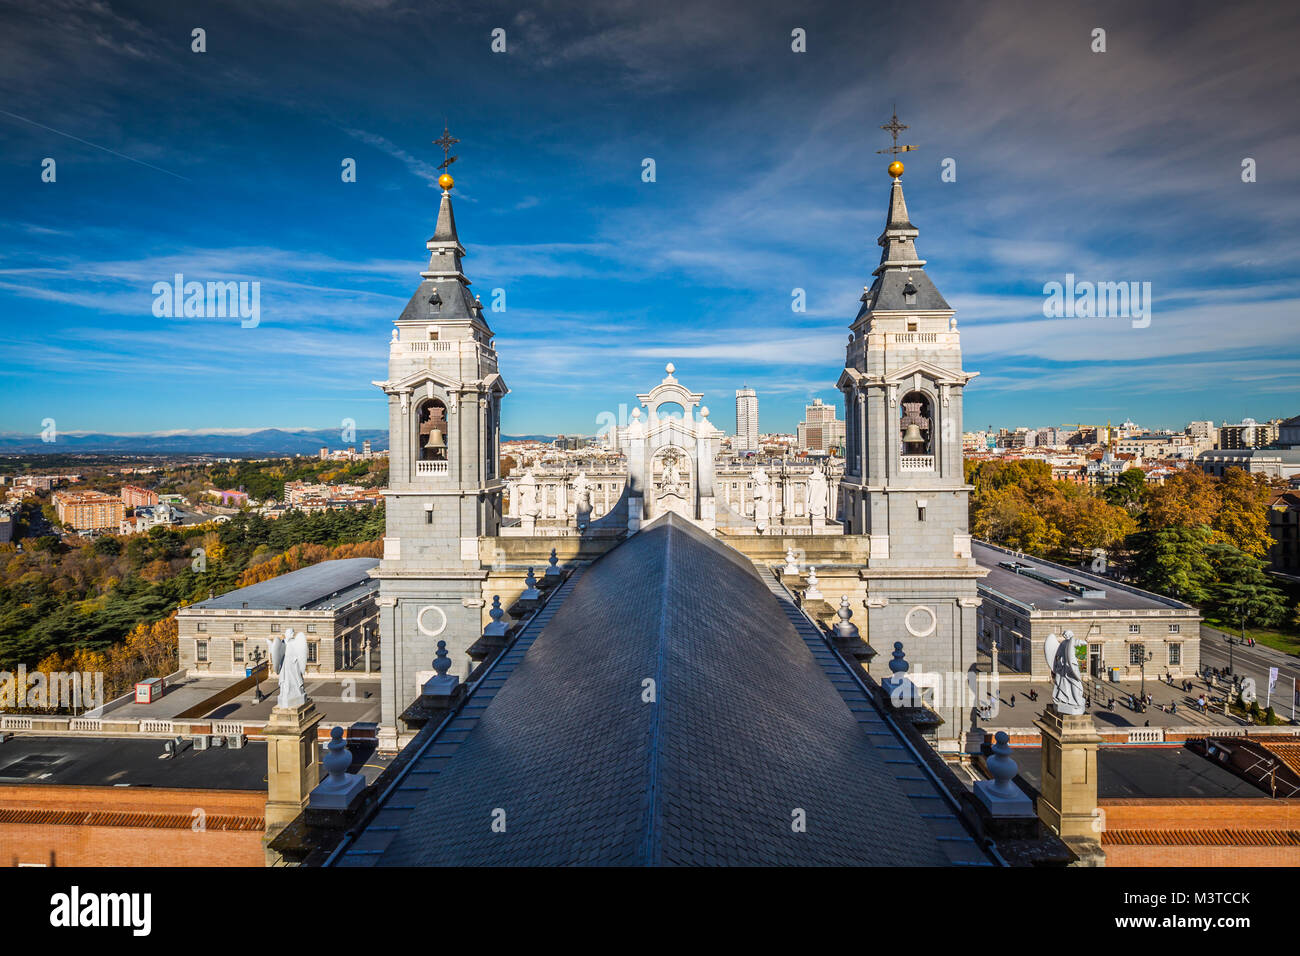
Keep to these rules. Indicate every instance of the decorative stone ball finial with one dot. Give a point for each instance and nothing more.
(791, 562)
(498, 627)
(441, 661)
(899, 664)
(845, 628)
(670, 368)
(530, 580)
(496, 613)
(1002, 766)
(554, 559)
(337, 759)
(813, 592)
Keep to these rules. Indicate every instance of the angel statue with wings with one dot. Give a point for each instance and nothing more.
(289, 658)
(1067, 685)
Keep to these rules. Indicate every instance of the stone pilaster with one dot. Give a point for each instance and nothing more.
(1068, 801)
(292, 765)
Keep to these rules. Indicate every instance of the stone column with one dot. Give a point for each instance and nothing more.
(1068, 802)
(292, 766)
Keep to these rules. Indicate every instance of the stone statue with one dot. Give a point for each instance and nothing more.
(817, 493)
(289, 658)
(530, 505)
(671, 480)
(762, 498)
(1067, 685)
(582, 498)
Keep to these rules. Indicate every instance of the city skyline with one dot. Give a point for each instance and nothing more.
(606, 277)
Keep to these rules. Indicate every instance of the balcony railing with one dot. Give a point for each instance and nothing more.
(916, 463)
(431, 468)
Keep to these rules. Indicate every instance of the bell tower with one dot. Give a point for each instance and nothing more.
(903, 485)
(444, 487)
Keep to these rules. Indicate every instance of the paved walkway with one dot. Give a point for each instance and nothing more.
(1016, 709)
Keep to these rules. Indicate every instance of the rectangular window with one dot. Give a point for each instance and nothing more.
(201, 652)
(1135, 628)
(1137, 653)
(311, 628)
(238, 647)
(239, 628)
(312, 651)
(201, 626)
(1173, 628)
(1175, 654)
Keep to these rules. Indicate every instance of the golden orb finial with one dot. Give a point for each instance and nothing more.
(446, 182)
(895, 169)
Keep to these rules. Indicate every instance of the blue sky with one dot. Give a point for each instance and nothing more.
(1115, 166)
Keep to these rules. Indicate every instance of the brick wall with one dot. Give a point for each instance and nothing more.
(1201, 832)
(125, 826)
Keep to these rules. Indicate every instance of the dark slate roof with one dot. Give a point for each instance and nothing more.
(1048, 597)
(886, 293)
(301, 590)
(117, 761)
(747, 727)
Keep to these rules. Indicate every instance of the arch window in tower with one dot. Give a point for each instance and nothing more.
(433, 431)
(916, 433)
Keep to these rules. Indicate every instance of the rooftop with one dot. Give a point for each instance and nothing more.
(1030, 588)
(117, 761)
(751, 723)
(1160, 772)
(320, 587)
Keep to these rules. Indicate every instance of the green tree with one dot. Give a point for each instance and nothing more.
(1242, 590)
(1173, 561)
(1129, 492)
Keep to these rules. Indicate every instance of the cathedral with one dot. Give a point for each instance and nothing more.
(886, 538)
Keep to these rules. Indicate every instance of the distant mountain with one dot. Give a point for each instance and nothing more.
(528, 438)
(263, 443)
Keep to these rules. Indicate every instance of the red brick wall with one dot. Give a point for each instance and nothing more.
(1194, 817)
(159, 831)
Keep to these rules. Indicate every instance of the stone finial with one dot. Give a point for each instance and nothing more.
(791, 562)
(898, 666)
(813, 591)
(498, 627)
(553, 569)
(1000, 795)
(530, 588)
(845, 629)
(336, 760)
(898, 686)
(441, 660)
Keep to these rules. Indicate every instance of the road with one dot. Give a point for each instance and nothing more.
(1252, 662)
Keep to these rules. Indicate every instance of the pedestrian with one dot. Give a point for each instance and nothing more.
(1013, 700)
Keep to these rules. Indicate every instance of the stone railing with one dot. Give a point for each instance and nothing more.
(916, 463)
(431, 467)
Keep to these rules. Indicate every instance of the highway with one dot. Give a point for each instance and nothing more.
(1252, 662)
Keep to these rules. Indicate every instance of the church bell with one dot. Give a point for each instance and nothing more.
(913, 436)
(435, 441)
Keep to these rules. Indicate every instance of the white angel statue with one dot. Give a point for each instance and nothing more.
(289, 658)
(1067, 685)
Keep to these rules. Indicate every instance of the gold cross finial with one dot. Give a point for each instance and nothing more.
(446, 142)
(894, 127)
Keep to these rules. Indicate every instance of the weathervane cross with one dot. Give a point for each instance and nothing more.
(446, 142)
(894, 127)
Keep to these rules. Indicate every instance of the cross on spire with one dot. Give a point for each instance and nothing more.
(446, 142)
(894, 127)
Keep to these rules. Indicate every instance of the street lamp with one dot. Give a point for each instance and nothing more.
(256, 655)
(1142, 666)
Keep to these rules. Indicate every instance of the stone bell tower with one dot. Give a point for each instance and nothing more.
(903, 484)
(444, 412)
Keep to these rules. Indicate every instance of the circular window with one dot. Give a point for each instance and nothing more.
(442, 620)
(920, 621)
